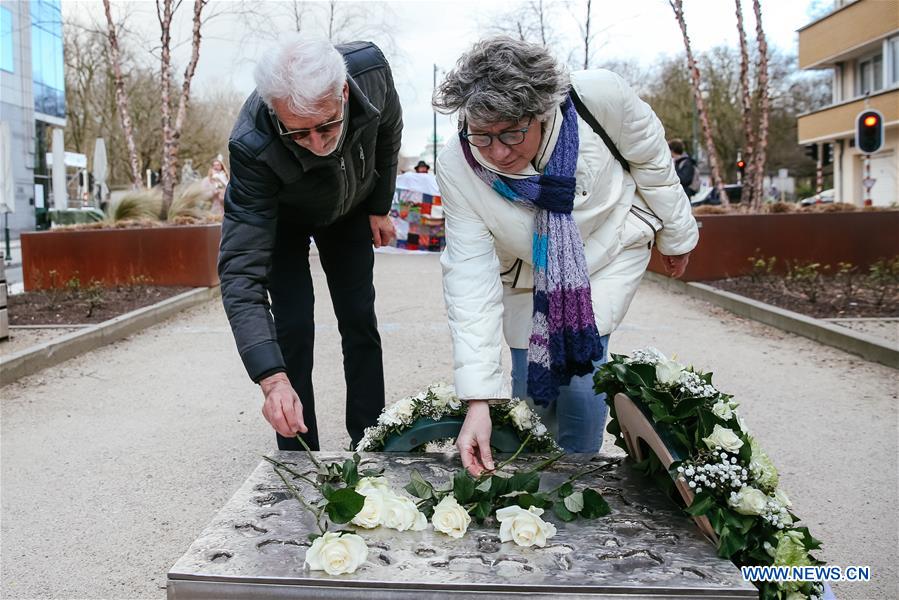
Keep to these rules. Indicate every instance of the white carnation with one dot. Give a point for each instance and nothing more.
(722, 410)
(522, 416)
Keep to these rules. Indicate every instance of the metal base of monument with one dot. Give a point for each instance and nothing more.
(647, 547)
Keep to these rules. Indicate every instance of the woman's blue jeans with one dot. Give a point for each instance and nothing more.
(577, 418)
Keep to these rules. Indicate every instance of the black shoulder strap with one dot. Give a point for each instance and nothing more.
(591, 120)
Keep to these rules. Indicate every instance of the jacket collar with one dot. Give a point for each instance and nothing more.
(361, 113)
(550, 135)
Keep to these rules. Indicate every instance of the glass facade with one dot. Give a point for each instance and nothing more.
(6, 41)
(48, 67)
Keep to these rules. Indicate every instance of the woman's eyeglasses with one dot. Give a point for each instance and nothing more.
(301, 134)
(513, 137)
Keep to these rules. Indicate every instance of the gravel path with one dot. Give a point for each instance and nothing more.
(113, 462)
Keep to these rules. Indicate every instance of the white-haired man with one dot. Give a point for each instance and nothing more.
(313, 156)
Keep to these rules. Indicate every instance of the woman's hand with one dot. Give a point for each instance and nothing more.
(676, 265)
(473, 440)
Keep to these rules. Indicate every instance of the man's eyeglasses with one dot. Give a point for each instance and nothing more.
(513, 137)
(301, 134)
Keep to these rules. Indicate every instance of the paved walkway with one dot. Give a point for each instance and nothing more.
(112, 463)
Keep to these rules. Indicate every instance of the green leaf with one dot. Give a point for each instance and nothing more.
(482, 510)
(463, 486)
(372, 472)
(327, 490)
(313, 536)
(356, 458)
(563, 513)
(566, 489)
(484, 486)
(419, 487)
(574, 502)
(702, 503)
(349, 473)
(528, 500)
(344, 504)
(594, 504)
(528, 482)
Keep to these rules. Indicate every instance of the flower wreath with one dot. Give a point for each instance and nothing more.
(734, 481)
(440, 401)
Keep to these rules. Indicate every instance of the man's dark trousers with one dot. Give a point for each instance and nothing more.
(346, 255)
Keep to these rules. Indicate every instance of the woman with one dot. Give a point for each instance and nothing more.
(548, 232)
(217, 180)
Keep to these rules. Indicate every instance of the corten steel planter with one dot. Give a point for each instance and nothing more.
(726, 242)
(183, 255)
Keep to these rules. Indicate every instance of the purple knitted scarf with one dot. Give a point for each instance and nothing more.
(564, 340)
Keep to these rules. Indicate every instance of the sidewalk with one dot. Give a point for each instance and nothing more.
(114, 462)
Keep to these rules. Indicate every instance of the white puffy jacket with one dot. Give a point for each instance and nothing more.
(487, 273)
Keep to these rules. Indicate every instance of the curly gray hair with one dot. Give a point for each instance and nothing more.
(502, 79)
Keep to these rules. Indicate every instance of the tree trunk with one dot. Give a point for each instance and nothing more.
(189, 71)
(764, 106)
(678, 7)
(121, 97)
(748, 180)
(587, 37)
(164, 14)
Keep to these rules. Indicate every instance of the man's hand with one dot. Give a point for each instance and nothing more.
(473, 440)
(382, 230)
(676, 265)
(282, 407)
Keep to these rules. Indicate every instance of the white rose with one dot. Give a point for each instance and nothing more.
(749, 501)
(539, 430)
(724, 438)
(367, 484)
(668, 371)
(450, 518)
(524, 527)
(400, 513)
(370, 515)
(444, 395)
(337, 554)
(403, 410)
(522, 416)
(722, 410)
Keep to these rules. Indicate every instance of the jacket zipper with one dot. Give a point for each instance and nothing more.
(642, 218)
(346, 185)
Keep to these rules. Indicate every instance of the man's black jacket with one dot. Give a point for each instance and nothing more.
(268, 172)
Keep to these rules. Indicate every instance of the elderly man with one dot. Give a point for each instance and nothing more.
(313, 156)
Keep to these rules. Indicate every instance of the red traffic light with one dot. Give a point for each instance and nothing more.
(741, 164)
(869, 131)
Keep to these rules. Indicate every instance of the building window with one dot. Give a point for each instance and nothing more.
(6, 41)
(870, 74)
(47, 64)
(893, 60)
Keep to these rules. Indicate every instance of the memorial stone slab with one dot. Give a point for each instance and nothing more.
(256, 545)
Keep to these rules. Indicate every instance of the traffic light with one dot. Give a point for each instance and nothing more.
(826, 154)
(869, 131)
(741, 166)
(811, 150)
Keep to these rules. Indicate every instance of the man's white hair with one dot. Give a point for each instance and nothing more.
(301, 71)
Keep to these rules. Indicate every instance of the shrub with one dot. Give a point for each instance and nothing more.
(192, 201)
(137, 205)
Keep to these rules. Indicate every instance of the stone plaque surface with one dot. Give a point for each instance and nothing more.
(255, 546)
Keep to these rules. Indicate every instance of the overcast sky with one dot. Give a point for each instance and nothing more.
(437, 32)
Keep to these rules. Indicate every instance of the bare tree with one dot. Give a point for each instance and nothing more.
(529, 22)
(749, 181)
(585, 30)
(121, 96)
(762, 92)
(171, 132)
(678, 7)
